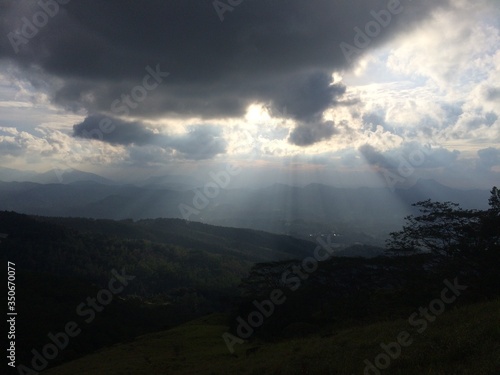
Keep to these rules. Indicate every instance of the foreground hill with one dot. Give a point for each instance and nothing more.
(462, 340)
(180, 271)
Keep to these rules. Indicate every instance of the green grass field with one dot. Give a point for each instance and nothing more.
(461, 341)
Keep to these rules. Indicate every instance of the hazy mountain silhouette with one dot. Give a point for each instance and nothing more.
(359, 214)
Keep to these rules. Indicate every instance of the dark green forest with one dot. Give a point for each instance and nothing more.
(182, 270)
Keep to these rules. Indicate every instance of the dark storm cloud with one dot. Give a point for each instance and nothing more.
(306, 134)
(114, 131)
(307, 96)
(201, 141)
(280, 52)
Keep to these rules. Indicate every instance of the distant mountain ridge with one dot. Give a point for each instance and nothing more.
(52, 176)
(358, 215)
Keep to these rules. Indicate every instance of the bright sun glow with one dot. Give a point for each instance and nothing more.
(257, 113)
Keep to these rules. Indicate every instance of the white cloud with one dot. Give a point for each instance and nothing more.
(47, 147)
(438, 83)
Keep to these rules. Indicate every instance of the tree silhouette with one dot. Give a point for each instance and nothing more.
(495, 200)
(490, 224)
(450, 232)
(443, 229)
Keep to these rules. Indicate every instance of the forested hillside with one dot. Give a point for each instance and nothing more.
(179, 271)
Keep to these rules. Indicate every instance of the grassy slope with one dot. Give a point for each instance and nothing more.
(464, 340)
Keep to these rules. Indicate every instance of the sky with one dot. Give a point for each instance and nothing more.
(348, 93)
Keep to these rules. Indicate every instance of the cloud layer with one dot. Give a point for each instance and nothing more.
(126, 83)
(280, 52)
(200, 142)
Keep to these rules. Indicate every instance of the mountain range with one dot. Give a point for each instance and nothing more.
(354, 215)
